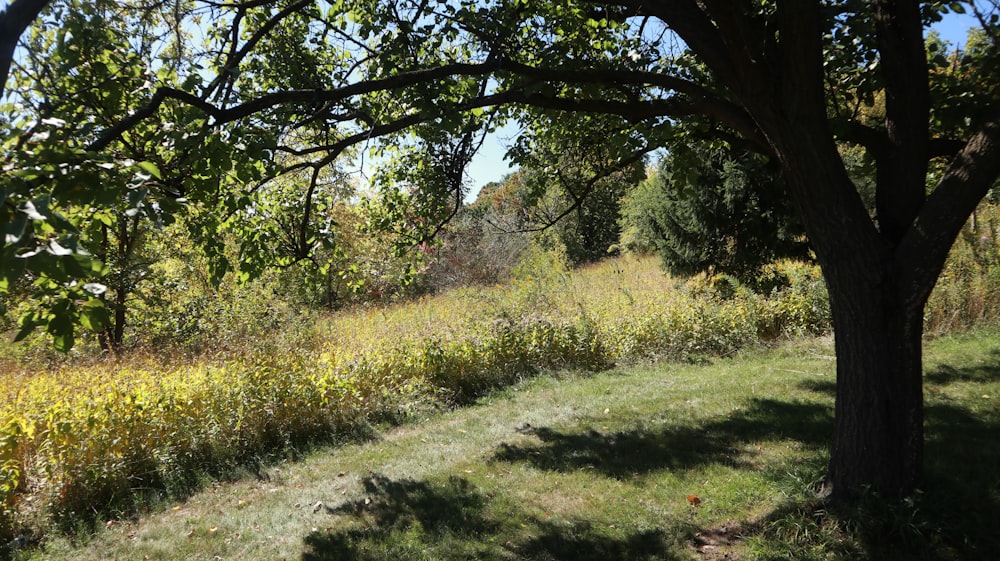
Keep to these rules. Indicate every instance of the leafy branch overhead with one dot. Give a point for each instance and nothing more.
(118, 109)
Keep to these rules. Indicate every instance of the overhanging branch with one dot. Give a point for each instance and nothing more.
(13, 21)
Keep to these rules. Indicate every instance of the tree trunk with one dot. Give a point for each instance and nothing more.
(877, 308)
(878, 435)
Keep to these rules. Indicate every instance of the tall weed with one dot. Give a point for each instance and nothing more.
(85, 436)
(967, 293)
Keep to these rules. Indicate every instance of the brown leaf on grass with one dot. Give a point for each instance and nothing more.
(693, 500)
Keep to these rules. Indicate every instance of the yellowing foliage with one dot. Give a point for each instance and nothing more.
(89, 437)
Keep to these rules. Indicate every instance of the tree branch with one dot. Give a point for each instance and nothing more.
(578, 199)
(971, 174)
(901, 191)
(13, 21)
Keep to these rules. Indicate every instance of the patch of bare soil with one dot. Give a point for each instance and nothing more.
(721, 543)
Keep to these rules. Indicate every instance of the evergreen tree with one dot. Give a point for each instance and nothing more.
(708, 209)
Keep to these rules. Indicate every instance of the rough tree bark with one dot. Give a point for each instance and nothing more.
(13, 21)
(879, 272)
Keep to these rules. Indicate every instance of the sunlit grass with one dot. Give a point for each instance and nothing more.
(85, 436)
(82, 436)
(608, 466)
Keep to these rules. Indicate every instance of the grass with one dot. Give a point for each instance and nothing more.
(672, 461)
(83, 437)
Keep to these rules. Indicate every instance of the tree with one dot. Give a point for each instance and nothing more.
(570, 190)
(784, 77)
(709, 208)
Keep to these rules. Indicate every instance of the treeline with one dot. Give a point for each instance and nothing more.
(700, 208)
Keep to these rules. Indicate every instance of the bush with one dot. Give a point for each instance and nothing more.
(82, 439)
(967, 293)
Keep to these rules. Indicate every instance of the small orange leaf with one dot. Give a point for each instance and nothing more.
(693, 500)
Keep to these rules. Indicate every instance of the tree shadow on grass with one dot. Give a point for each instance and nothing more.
(954, 517)
(985, 372)
(961, 501)
(454, 520)
(641, 450)
(955, 514)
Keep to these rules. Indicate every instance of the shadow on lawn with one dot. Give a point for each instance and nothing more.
(953, 518)
(955, 515)
(986, 371)
(641, 450)
(455, 520)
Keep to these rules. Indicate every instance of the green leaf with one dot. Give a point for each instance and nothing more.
(151, 169)
(94, 316)
(63, 342)
(13, 268)
(14, 230)
(28, 325)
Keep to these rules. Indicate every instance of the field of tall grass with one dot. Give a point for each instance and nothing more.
(82, 438)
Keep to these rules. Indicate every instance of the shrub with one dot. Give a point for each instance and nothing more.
(80, 438)
(968, 290)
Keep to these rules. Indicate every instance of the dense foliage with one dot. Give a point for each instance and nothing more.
(83, 436)
(118, 117)
(710, 209)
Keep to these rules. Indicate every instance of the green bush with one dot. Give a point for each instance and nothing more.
(83, 438)
(967, 293)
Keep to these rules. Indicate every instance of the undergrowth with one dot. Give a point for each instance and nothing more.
(81, 437)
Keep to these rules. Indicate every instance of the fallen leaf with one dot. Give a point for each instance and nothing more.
(190, 534)
(317, 507)
(693, 500)
(213, 529)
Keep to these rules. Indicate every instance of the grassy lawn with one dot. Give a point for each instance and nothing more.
(714, 461)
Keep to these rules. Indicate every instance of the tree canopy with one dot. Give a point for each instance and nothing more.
(158, 107)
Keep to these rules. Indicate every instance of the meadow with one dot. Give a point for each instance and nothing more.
(666, 461)
(86, 439)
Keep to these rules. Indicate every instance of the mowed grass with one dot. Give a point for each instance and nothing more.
(671, 461)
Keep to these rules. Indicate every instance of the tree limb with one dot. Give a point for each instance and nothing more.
(13, 21)
(971, 174)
